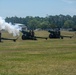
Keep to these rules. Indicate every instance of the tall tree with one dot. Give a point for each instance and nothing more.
(68, 24)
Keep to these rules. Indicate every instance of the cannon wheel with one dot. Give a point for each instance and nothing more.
(23, 37)
(49, 35)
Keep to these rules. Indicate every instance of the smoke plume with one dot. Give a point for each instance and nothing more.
(12, 29)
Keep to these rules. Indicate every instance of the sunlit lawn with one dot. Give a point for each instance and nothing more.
(39, 57)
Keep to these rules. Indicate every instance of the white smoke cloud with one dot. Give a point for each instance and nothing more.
(12, 29)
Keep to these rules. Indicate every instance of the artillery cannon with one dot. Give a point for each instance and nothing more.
(57, 34)
(54, 34)
(30, 35)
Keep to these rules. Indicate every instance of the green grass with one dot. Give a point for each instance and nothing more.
(41, 57)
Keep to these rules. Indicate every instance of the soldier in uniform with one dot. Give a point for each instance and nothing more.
(0, 36)
(32, 33)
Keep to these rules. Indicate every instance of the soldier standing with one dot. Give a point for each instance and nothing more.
(0, 36)
(32, 33)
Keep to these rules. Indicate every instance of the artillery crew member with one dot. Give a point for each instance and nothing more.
(32, 33)
(0, 36)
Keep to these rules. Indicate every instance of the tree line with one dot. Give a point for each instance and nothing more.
(60, 21)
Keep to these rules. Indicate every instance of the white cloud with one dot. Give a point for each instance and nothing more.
(69, 1)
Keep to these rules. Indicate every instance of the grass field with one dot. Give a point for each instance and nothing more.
(41, 57)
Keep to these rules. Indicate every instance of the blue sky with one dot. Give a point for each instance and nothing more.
(42, 8)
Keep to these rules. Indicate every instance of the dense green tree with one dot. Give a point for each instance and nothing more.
(33, 24)
(68, 24)
(47, 22)
(44, 25)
